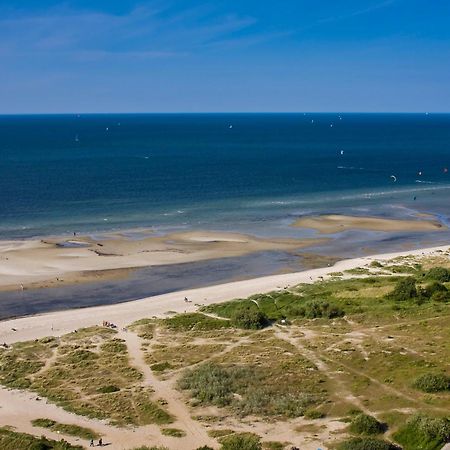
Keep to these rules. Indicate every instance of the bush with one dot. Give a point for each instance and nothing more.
(432, 382)
(108, 389)
(314, 414)
(424, 433)
(205, 447)
(249, 319)
(319, 308)
(365, 424)
(404, 290)
(438, 274)
(241, 441)
(365, 443)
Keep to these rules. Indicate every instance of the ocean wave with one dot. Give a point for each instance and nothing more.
(425, 182)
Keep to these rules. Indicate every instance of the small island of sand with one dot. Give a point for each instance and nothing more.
(335, 223)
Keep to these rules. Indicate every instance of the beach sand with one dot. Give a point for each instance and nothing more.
(49, 262)
(335, 223)
(22, 406)
(122, 314)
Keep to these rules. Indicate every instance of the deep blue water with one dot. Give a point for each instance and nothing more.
(252, 172)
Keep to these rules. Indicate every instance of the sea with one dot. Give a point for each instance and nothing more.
(253, 173)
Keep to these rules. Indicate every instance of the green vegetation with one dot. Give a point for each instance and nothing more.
(432, 382)
(365, 443)
(249, 319)
(194, 321)
(273, 445)
(173, 432)
(404, 290)
(365, 424)
(71, 430)
(440, 274)
(89, 374)
(241, 441)
(424, 433)
(314, 414)
(12, 440)
(247, 390)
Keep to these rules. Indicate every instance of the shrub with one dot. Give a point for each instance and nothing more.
(314, 414)
(424, 433)
(209, 383)
(205, 447)
(249, 319)
(365, 424)
(404, 290)
(173, 432)
(438, 274)
(241, 441)
(319, 308)
(366, 443)
(375, 264)
(108, 389)
(432, 382)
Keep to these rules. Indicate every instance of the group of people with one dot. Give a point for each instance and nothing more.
(105, 323)
(100, 443)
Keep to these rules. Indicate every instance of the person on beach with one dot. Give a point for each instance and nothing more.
(100, 442)
(91, 444)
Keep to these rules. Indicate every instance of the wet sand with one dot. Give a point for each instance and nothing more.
(56, 261)
(335, 223)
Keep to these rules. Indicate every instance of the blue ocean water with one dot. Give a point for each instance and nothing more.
(242, 172)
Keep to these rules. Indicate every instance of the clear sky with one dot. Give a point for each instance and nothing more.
(224, 55)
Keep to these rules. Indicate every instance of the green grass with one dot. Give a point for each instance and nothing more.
(194, 321)
(12, 440)
(259, 390)
(90, 375)
(71, 430)
(173, 432)
(241, 441)
(424, 433)
(365, 424)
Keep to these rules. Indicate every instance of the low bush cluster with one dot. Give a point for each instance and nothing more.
(424, 433)
(366, 443)
(365, 424)
(432, 382)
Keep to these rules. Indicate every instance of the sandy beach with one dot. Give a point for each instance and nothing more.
(335, 223)
(23, 407)
(54, 261)
(58, 323)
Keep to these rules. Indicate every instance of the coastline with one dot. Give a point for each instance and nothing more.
(64, 261)
(122, 314)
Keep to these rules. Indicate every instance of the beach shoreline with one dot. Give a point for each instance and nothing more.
(122, 314)
(34, 264)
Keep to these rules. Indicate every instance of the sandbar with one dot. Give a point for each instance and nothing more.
(335, 223)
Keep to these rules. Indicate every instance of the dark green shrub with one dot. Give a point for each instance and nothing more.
(108, 389)
(365, 424)
(438, 274)
(432, 382)
(404, 290)
(424, 433)
(366, 443)
(319, 308)
(249, 319)
(241, 441)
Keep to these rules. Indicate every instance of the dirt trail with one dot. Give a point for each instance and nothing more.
(195, 432)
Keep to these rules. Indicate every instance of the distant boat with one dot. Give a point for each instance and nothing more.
(231, 126)
(76, 138)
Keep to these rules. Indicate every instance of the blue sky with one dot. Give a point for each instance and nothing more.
(224, 55)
